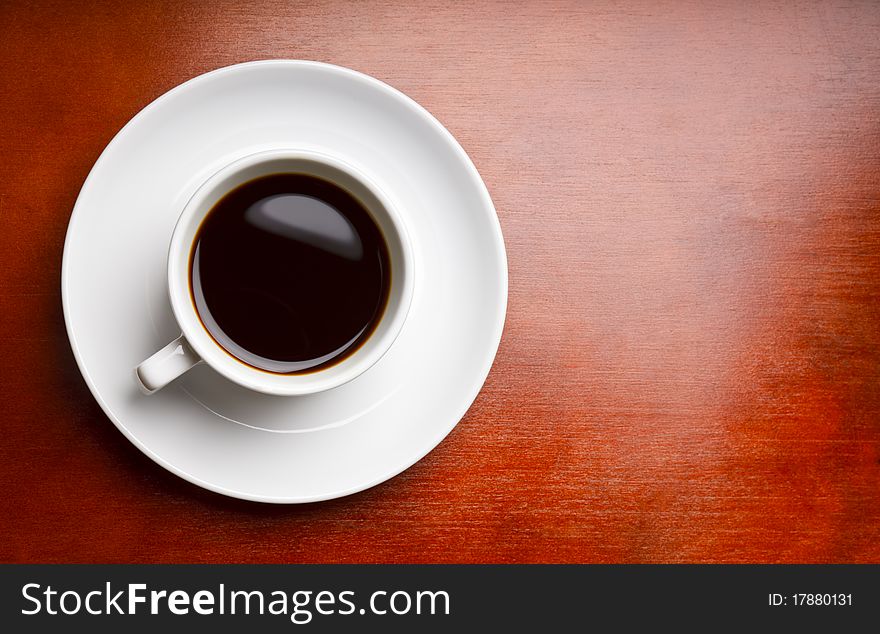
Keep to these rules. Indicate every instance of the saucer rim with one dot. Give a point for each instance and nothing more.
(487, 205)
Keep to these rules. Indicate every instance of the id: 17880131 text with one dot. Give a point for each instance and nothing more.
(809, 599)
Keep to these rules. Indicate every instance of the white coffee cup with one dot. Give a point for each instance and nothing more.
(195, 345)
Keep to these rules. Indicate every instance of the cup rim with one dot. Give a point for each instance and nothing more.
(229, 366)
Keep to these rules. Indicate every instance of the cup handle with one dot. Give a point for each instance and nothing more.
(166, 365)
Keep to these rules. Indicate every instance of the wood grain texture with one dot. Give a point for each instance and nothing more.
(690, 197)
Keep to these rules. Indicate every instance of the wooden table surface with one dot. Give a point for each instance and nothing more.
(690, 198)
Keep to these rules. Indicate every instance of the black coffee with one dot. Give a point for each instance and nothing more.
(289, 273)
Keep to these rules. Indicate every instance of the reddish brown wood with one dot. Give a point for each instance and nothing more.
(690, 196)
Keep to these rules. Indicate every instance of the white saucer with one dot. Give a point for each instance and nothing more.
(226, 438)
